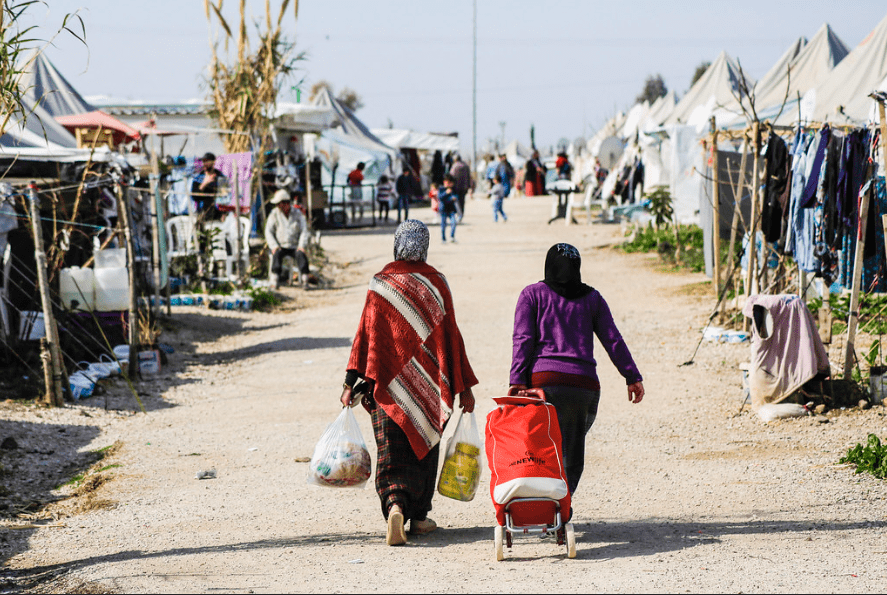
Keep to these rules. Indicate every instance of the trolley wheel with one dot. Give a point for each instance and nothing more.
(498, 538)
(571, 541)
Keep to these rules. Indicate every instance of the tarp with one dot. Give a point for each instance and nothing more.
(411, 139)
(843, 97)
(42, 81)
(710, 95)
(303, 117)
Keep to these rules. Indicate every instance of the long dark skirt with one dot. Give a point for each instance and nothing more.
(576, 411)
(401, 478)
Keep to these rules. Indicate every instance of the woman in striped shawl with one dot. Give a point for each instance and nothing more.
(410, 353)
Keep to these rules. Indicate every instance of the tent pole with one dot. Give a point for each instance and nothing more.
(853, 317)
(155, 225)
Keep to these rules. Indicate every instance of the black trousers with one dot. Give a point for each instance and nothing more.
(576, 411)
(298, 255)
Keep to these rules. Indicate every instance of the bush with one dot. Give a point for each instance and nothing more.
(689, 240)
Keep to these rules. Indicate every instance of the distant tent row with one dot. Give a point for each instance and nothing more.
(816, 81)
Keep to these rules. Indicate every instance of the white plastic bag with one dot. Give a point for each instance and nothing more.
(460, 475)
(771, 411)
(341, 459)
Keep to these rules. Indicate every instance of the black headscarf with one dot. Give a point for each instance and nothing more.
(562, 272)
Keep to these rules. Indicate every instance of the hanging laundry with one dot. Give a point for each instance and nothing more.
(777, 172)
(243, 163)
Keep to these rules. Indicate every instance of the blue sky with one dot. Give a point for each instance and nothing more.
(564, 66)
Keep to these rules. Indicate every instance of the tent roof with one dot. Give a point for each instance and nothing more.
(716, 88)
(411, 139)
(636, 115)
(42, 81)
(347, 124)
(659, 111)
(39, 130)
(303, 117)
(843, 96)
(776, 79)
(99, 119)
(809, 68)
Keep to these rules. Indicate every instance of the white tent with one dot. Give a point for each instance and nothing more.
(303, 117)
(659, 111)
(411, 139)
(805, 71)
(349, 141)
(636, 115)
(843, 97)
(716, 89)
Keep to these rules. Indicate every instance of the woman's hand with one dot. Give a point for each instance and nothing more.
(516, 388)
(466, 401)
(636, 392)
(347, 396)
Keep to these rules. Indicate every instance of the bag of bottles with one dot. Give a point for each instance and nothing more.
(460, 475)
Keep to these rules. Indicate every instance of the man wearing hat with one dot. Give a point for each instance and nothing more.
(287, 235)
(204, 185)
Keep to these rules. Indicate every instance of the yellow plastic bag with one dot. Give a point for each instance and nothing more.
(460, 475)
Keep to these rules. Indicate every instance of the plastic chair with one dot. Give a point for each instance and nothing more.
(180, 235)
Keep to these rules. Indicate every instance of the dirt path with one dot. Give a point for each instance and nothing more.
(679, 493)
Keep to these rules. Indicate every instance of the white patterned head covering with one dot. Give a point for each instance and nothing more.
(411, 241)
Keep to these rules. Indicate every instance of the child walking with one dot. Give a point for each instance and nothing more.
(384, 196)
(448, 207)
(497, 194)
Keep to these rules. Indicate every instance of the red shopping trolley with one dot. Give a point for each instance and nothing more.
(528, 483)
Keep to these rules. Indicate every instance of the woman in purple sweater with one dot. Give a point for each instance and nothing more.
(554, 324)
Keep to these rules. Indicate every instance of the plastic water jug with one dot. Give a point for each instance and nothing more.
(111, 258)
(111, 289)
(77, 288)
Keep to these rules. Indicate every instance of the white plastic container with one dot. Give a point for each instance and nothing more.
(149, 362)
(111, 289)
(31, 325)
(112, 258)
(81, 385)
(77, 285)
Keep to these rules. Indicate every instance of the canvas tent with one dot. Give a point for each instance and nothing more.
(808, 69)
(349, 141)
(303, 117)
(718, 88)
(659, 111)
(842, 98)
(421, 141)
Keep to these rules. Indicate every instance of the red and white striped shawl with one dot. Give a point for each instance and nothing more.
(408, 344)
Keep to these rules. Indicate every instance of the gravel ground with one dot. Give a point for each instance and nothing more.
(682, 492)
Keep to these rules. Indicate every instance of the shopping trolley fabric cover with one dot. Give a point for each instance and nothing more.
(523, 445)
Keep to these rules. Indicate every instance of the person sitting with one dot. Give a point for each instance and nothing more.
(286, 233)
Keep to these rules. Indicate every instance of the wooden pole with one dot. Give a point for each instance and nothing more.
(716, 212)
(52, 361)
(752, 252)
(853, 317)
(737, 206)
(155, 225)
(125, 221)
(238, 250)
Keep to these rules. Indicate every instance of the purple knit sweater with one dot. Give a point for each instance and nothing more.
(554, 334)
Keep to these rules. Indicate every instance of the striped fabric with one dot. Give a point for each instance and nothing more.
(409, 345)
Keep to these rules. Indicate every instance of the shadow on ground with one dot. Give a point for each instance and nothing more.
(596, 541)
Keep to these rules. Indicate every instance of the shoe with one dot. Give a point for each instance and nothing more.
(396, 534)
(275, 283)
(453, 240)
(304, 282)
(422, 527)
